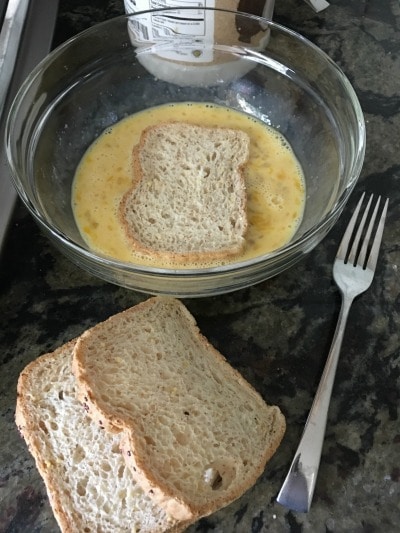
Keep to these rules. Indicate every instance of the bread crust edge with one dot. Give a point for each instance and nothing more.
(26, 429)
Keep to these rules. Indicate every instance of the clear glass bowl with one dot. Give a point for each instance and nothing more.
(113, 70)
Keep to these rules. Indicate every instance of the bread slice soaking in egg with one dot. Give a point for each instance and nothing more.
(188, 197)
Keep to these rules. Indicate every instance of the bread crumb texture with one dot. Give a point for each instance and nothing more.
(89, 485)
(196, 434)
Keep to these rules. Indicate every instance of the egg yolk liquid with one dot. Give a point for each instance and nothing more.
(274, 183)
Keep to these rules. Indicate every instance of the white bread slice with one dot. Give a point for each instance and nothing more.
(89, 486)
(195, 434)
(188, 196)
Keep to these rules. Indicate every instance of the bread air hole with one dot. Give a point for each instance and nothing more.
(115, 448)
(219, 474)
(149, 441)
(182, 438)
(79, 454)
(81, 487)
(43, 427)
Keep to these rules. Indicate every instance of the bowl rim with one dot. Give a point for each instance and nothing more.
(296, 244)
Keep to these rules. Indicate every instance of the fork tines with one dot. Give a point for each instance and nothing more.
(364, 255)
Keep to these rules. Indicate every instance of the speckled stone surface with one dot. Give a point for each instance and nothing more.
(276, 333)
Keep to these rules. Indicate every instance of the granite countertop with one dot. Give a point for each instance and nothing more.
(276, 333)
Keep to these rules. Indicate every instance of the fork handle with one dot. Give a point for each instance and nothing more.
(298, 488)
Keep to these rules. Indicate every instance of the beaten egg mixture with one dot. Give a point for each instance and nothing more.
(274, 182)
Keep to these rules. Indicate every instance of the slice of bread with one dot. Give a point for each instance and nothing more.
(195, 434)
(188, 196)
(89, 486)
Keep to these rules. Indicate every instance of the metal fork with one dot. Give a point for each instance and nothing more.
(353, 272)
